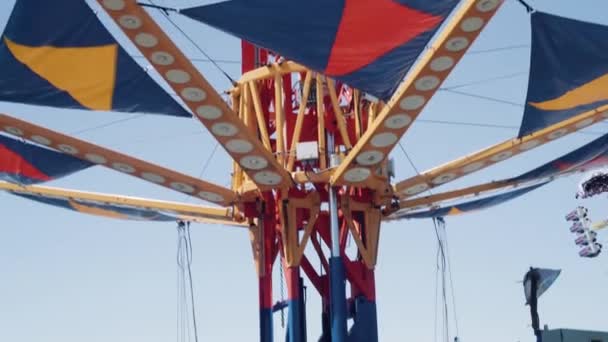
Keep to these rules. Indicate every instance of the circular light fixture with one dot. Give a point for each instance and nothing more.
(153, 177)
(224, 129)
(442, 63)
(501, 156)
(267, 178)
(182, 187)
(177, 76)
(130, 22)
(40, 140)
(114, 5)
(384, 139)
(146, 40)
(162, 58)
(456, 44)
(193, 94)
(427, 83)
(357, 174)
(416, 189)
(370, 157)
(471, 24)
(412, 102)
(444, 178)
(67, 149)
(473, 167)
(122, 167)
(239, 146)
(95, 158)
(397, 121)
(208, 112)
(253, 162)
(487, 5)
(211, 197)
(13, 130)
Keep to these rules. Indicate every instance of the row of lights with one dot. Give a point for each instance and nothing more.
(195, 97)
(528, 145)
(117, 165)
(91, 202)
(425, 83)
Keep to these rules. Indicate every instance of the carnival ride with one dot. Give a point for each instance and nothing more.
(310, 124)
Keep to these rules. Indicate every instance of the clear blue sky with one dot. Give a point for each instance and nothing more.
(67, 277)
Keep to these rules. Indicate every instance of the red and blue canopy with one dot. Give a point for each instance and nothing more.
(591, 155)
(58, 54)
(568, 70)
(25, 163)
(369, 44)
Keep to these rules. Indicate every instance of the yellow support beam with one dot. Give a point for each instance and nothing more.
(120, 162)
(497, 153)
(297, 132)
(259, 113)
(271, 71)
(188, 212)
(419, 86)
(331, 85)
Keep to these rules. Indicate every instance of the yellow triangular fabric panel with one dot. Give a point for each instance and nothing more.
(97, 211)
(455, 211)
(88, 74)
(588, 93)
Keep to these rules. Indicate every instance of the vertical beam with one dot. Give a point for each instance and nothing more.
(280, 118)
(299, 121)
(336, 265)
(259, 113)
(331, 86)
(264, 244)
(295, 305)
(357, 110)
(321, 123)
(265, 293)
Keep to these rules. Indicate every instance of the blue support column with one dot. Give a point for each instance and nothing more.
(265, 288)
(296, 330)
(337, 294)
(365, 328)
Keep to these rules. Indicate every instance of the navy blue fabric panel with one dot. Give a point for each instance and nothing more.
(135, 91)
(19, 84)
(566, 54)
(51, 163)
(300, 30)
(474, 205)
(72, 24)
(572, 160)
(59, 23)
(382, 77)
(437, 7)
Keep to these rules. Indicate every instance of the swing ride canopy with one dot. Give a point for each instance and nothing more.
(400, 62)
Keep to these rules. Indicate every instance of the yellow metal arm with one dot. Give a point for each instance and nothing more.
(497, 153)
(187, 212)
(202, 99)
(122, 163)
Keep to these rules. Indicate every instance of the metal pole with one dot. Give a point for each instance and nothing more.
(336, 267)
